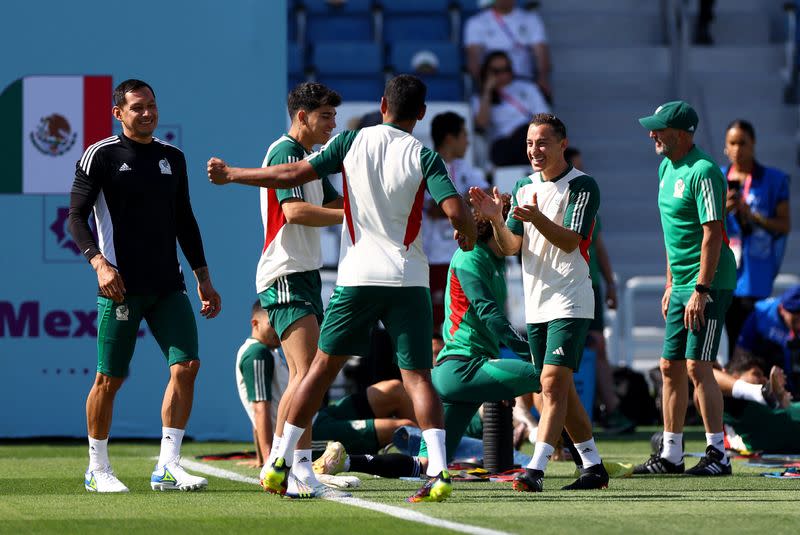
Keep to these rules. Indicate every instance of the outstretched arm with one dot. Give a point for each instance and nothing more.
(283, 176)
(460, 218)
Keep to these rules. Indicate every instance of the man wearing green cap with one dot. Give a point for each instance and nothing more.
(701, 276)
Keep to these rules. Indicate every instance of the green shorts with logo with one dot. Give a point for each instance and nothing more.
(349, 421)
(169, 317)
(292, 297)
(679, 342)
(559, 342)
(405, 312)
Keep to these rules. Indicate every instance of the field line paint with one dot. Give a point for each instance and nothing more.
(391, 510)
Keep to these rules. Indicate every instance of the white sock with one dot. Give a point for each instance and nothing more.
(98, 453)
(291, 435)
(717, 441)
(673, 447)
(171, 440)
(542, 452)
(276, 441)
(748, 391)
(437, 462)
(588, 452)
(302, 468)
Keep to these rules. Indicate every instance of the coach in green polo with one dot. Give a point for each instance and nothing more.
(701, 276)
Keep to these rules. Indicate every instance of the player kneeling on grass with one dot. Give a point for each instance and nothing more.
(383, 272)
(467, 371)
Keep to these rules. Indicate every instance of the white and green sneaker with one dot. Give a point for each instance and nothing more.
(103, 480)
(172, 476)
(332, 461)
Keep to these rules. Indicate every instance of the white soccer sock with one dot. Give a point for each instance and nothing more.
(434, 438)
(276, 441)
(717, 441)
(171, 440)
(748, 391)
(673, 447)
(302, 468)
(291, 435)
(98, 453)
(542, 452)
(588, 452)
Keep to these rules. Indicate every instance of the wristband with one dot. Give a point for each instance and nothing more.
(702, 289)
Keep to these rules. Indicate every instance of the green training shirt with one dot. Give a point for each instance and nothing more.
(692, 192)
(475, 301)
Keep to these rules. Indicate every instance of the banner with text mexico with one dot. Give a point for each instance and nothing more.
(47, 122)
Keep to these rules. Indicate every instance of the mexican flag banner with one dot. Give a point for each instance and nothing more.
(47, 122)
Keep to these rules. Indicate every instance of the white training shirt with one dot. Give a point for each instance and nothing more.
(519, 101)
(385, 172)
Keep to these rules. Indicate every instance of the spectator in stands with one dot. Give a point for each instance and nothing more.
(602, 278)
(759, 413)
(757, 223)
(519, 33)
(702, 29)
(504, 108)
(450, 140)
(772, 332)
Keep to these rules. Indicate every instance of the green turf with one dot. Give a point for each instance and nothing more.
(41, 491)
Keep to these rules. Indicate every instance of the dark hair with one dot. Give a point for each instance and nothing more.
(570, 153)
(742, 124)
(256, 309)
(309, 96)
(405, 96)
(444, 124)
(484, 226)
(554, 122)
(744, 360)
(484, 72)
(127, 86)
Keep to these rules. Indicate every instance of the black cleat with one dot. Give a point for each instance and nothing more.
(592, 478)
(711, 464)
(656, 464)
(529, 481)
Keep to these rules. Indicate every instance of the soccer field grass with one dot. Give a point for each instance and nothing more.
(41, 491)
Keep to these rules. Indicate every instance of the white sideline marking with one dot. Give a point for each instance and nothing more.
(391, 510)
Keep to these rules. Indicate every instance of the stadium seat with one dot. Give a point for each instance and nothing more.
(291, 21)
(401, 53)
(351, 21)
(416, 19)
(354, 69)
(447, 88)
(468, 8)
(294, 60)
(354, 88)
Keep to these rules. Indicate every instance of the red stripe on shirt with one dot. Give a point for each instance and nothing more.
(415, 217)
(96, 103)
(275, 218)
(348, 217)
(585, 243)
(459, 304)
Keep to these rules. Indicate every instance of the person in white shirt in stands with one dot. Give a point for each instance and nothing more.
(520, 33)
(504, 108)
(450, 140)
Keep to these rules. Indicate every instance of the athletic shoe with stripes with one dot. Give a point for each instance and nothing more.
(529, 481)
(298, 490)
(276, 477)
(437, 489)
(711, 464)
(172, 476)
(592, 478)
(656, 464)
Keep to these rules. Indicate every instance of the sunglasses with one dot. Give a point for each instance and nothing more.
(500, 70)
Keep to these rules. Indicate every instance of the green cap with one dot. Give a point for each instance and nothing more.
(676, 114)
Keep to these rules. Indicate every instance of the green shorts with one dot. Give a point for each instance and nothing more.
(169, 317)
(405, 312)
(292, 297)
(599, 321)
(349, 421)
(681, 343)
(558, 342)
(464, 383)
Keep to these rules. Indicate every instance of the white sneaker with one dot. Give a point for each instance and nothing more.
(298, 490)
(339, 482)
(103, 480)
(172, 476)
(332, 460)
(324, 491)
